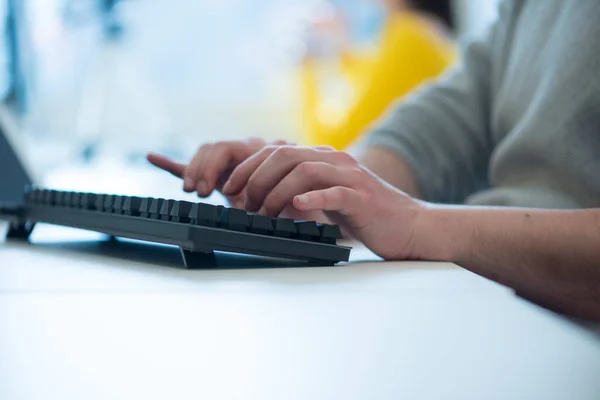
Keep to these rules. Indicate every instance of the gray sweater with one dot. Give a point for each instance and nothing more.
(517, 123)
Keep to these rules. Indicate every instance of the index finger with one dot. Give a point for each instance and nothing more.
(166, 164)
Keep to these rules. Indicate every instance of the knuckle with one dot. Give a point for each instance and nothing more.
(206, 147)
(356, 173)
(368, 196)
(284, 152)
(221, 146)
(201, 153)
(345, 158)
(341, 192)
(338, 193)
(327, 196)
(309, 169)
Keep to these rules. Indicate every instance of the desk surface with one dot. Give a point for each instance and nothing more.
(77, 322)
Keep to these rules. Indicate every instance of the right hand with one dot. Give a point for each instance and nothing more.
(212, 166)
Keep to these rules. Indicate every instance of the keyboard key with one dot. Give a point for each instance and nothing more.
(308, 230)
(154, 209)
(261, 224)
(234, 219)
(117, 207)
(87, 201)
(108, 203)
(204, 214)
(285, 227)
(145, 207)
(46, 197)
(131, 206)
(165, 210)
(58, 198)
(180, 212)
(330, 233)
(75, 199)
(39, 197)
(32, 196)
(54, 197)
(66, 199)
(99, 202)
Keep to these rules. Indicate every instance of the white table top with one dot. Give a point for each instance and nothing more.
(77, 322)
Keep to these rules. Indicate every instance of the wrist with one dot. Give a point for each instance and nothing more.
(440, 233)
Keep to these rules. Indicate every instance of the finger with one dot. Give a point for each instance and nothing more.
(212, 162)
(269, 173)
(341, 199)
(166, 164)
(304, 178)
(239, 177)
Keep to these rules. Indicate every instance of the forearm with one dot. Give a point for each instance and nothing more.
(551, 257)
(389, 167)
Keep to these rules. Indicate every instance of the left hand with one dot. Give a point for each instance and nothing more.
(320, 179)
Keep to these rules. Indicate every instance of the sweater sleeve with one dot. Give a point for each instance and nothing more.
(442, 131)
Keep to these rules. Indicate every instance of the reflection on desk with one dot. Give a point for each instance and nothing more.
(83, 319)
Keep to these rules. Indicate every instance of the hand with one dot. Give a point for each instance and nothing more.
(325, 180)
(212, 166)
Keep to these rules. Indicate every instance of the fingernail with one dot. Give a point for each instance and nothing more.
(303, 198)
(249, 206)
(262, 211)
(202, 187)
(188, 184)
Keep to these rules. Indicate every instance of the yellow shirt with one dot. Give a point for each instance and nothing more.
(410, 52)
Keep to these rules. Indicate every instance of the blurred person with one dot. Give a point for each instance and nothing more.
(415, 45)
(495, 167)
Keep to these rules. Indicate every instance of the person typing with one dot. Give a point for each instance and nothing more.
(493, 167)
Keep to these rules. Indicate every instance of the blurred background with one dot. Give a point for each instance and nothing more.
(95, 84)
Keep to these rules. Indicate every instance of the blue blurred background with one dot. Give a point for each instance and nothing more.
(98, 81)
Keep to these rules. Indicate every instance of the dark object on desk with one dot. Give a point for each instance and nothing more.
(197, 228)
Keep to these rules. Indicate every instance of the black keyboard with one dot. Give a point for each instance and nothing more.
(198, 229)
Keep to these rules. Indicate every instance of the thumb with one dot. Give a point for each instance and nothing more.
(344, 200)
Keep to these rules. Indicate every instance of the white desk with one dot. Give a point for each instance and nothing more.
(76, 324)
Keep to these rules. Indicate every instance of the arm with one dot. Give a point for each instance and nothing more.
(442, 131)
(551, 257)
(389, 167)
